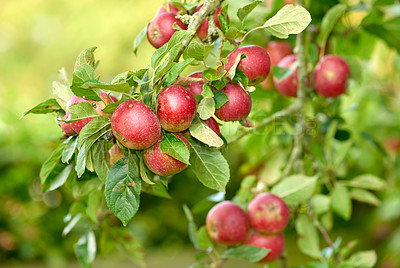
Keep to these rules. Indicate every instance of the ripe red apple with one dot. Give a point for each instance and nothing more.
(161, 28)
(237, 107)
(135, 125)
(196, 87)
(202, 32)
(116, 153)
(256, 65)
(177, 107)
(392, 145)
(330, 76)
(161, 163)
(212, 123)
(226, 224)
(288, 85)
(268, 213)
(276, 243)
(97, 105)
(66, 127)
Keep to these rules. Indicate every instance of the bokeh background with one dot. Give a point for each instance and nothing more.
(38, 37)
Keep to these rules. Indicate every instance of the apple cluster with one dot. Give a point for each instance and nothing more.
(267, 216)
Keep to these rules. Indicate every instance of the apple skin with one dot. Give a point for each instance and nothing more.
(196, 87)
(227, 224)
(330, 76)
(288, 85)
(255, 66)
(161, 29)
(97, 105)
(135, 125)
(202, 32)
(161, 163)
(212, 123)
(116, 153)
(237, 107)
(67, 127)
(268, 213)
(176, 109)
(276, 243)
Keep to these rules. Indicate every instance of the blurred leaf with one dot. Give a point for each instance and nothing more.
(341, 201)
(364, 196)
(62, 93)
(208, 202)
(106, 243)
(295, 189)
(192, 228)
(329, 21)
(201, 131)
(48, 106)
(363, 259)
(175, 147)
(132, 246)
(156, 189)
(71, 224)
(94, 204)
(290, 19)
(101, 158)
(70, 146)
(223, 22)
(203, 240)
(368, 181)
(51, 168)
(231, 33)
(220, 99)
(207, 91)
(123, 189)
(209, 166)
(86, 56)
(281, 72)
(308, 240)
(246, 253)
(85, 249)
(139, 38)
(320, 203)
(245, 194)
(244, 11)
(176, 70)
(370, 139)
(197, 50)
(206, 108)
(327, 220)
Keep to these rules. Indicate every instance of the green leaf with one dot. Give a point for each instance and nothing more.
(281, 73)
(85, 249)
(62, 92)
(203, 239)
(86, 56)
(295, 189)
(245, 193)
(139, 38)
(192, 228)
(320, 204)
(175, 147)
(246, 253)
(308, 240)
(209, 166)
(81, 161)
(123, 87)
(156, 189)
(175, 71)
(220, 99)
(81, 110)
(223, 22)
(364, 196)
(70, 146)
(243, 12)
(231, 33)
(208, 202)
(123, 189)
(51, 168)
(101, 159)
(368, 181)
(206, 108)
(94, 203)
(143, 169)
(82, 74)
(341, 201)
(71, 223)
(212, 74)
(197, 50)
(329, 21)
(201, 131)
(60, 178)
(132, 246)
(363, 259)
(48, 106)
(232, 71)
(290, 19)
(207, 91)
(94, 128)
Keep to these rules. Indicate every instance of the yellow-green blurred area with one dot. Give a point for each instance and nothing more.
(38, 37)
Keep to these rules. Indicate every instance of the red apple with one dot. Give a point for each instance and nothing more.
(330, 76)
(237, 107)
(212, 123)
(276, 243)
(161, 163)
(161, 29)
(177, 107)
(97, 105)
(196, 87)
(202, 32)
(67, 127)
(173, 8)
(255, 66)
(135, 125)
(392, 145)
(226, 224)
(268, 213)
(288, 85)
(277, 50)
(161, 10)
(116, 153)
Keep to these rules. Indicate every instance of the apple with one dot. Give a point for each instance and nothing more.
(288, 85)
(135, 125)
(161, 163)
(268, 213)
(237, 107)
(330, 76)
(161, 28)
(66, 127)
(116, 153)
(226, 224)
(276, 243)
(97, 105)
(196, 87)
(202, 31)
(255, 66)
(212, 123)
(392, 145)
(176, 109)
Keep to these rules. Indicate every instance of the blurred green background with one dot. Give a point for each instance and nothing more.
(38, 37)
